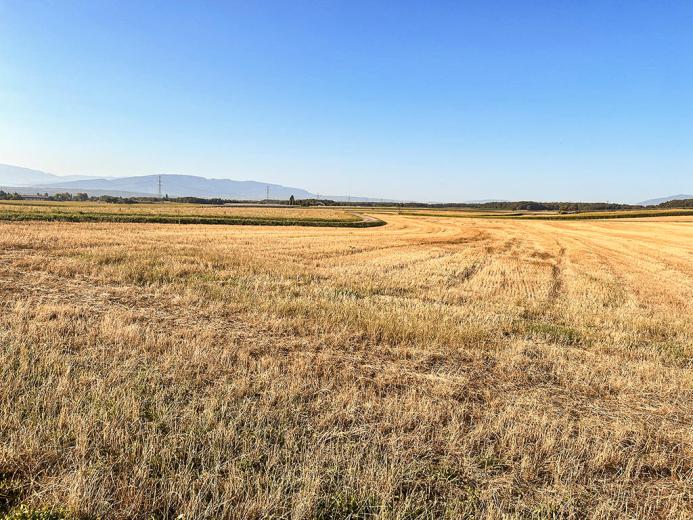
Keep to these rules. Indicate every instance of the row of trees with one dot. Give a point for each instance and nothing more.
(67, 196)
(514, 205)
(9, 196)
(685, 203)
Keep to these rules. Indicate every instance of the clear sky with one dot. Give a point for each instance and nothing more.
(429, 100)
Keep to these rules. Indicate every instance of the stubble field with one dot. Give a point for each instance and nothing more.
(430, 368)
(181, 213)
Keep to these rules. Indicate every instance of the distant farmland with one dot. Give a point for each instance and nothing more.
(175, 213)
(432, 367)
(542, 215)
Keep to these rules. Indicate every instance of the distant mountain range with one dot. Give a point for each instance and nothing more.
(654, 202)
(18, 176)
(25, 180)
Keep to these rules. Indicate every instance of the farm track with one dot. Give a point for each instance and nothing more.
(454, 366)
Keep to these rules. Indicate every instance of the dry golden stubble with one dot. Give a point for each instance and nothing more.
(433, 367)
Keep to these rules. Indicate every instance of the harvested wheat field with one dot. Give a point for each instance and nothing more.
(180, 213)
(430, 368)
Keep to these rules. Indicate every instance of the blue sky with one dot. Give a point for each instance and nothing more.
(559, 100)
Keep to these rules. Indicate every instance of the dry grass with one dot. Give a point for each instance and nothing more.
(430, 368)
(177, 210)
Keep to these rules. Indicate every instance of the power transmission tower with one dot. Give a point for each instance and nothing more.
(159, 186)
(267, 197)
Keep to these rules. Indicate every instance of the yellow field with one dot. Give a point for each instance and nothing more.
(176, 209)
(429, 368)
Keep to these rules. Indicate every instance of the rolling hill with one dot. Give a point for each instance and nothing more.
(654, 202)
(187, 186)
(18, 176)
(173, 185)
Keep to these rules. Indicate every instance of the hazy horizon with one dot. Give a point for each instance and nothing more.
(446, 102)
(355, 194)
